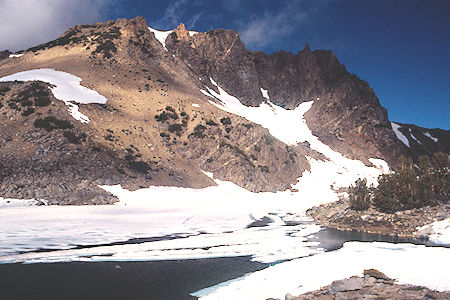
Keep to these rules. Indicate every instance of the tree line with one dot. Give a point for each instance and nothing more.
(412, 186)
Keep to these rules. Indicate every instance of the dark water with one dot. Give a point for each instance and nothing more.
(164, 280)
(119, 280)
(333, 239)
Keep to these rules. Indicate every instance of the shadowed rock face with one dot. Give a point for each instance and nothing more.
(4, 54)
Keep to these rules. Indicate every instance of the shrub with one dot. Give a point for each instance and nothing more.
(162, 117)
(410, 187)
(28, 111)
(359, 195)
(175, 128)
(73, 138)
(139, 166)
(50, 123)
(211, 123)
(225, 121)
(269, 139)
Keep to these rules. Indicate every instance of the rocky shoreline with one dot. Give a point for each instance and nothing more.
(373, 285)
(404, 224)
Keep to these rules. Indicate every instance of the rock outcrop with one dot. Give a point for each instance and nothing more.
(374, 285)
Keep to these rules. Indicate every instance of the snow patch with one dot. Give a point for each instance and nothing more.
(195, 105)
(289, 126)
(161, 36)
(265, 94)
(17, 202)
(399, 135)
(66, 87)
(192, 33)
(412, 264)
(438, 232)
(15, 55)
(427, 134)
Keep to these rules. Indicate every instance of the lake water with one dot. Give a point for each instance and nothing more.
(175, 279)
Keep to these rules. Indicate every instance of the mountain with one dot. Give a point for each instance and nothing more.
(164, 107)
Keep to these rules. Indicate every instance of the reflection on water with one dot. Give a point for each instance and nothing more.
(332, 239)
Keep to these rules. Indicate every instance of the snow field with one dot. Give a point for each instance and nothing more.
(66, 87)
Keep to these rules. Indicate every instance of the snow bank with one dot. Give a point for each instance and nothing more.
(289, 126)
(437, 232)
(161, 36)
(204, 228)
(17, 202)
(399, 135)
(15, 55)
(418, 265)
(427, 134)
(265, 94)
(66, 87)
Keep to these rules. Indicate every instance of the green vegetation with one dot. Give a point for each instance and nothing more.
(211, 123)
(269, 139)
(198, 131)
(411, 187)
(73, 138)
(50, 123)
(225, 121)
(359, 195)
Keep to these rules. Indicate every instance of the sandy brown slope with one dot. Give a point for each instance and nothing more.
(148, 133)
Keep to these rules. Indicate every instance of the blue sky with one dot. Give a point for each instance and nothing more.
(401, 47)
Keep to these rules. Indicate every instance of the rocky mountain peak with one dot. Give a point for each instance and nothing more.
(181, 32)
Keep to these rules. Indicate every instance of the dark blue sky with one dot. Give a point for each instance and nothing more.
(401, 47)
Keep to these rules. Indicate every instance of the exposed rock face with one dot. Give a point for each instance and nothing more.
(148, 133)
(4, 54)
(374, 285)
(338, 215)
(424, 141)
(182, 33)
(347, 116)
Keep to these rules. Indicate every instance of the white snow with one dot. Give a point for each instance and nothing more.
(413, 137)
(412, 264)
(427, 134)
(195, 105)
(438, 232)
(265, 94)
(66, 87)
(8, 202)
(290, 127)
(161, 36)
(399, 135)
(192, 33)
(15, 55)
(211, 228)
(380, 164)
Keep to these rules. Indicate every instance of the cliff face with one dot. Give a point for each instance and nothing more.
(346, 113)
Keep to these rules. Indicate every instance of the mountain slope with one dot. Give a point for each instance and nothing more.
(179, 103)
